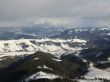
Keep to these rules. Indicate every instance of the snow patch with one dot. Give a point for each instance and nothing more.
(42, 75)
(44, 67)
(58, 60)
(36, 58)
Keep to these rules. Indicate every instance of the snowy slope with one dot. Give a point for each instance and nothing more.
(56, 47)
(97, 73)
(89, 80)
(42, 75)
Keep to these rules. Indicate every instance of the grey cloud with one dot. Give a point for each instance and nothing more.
(77, 12)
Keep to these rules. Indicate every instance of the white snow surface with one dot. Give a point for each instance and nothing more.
(88, 80)
(97, 73)
(30, 46)
(42, 75)
(58, 60)
(36, 58)
(44, 67)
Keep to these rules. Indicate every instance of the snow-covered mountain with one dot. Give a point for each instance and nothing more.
(56, 47)
(29, 32)
(79, 46)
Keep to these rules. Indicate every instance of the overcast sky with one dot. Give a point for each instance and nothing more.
(55, 12)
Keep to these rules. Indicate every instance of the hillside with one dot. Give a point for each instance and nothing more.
(42, 66)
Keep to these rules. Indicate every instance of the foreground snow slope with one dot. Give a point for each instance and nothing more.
(97, 73)
(86, 80)
(29, 46)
